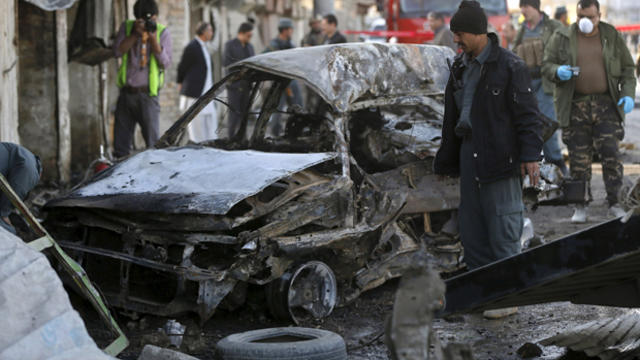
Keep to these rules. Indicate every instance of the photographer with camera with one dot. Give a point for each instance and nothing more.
(145, 48)
(594, 88)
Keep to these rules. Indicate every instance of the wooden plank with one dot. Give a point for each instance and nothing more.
(427, 223)
(62, 78)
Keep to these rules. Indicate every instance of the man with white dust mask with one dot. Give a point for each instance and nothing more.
(595, 85)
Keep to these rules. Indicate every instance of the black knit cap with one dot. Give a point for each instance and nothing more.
(469, 18)
(143, 7)
(533, 3)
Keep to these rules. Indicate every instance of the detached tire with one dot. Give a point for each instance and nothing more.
(286, 343)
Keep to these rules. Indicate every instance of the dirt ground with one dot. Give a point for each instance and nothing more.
(361, 322)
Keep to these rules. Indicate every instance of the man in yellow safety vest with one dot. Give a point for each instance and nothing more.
(144, 47)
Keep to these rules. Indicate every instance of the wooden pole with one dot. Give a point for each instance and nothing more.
(9, 72)
(62, 78)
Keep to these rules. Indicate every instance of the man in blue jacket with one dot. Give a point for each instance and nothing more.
(235, 50)
(490, 138)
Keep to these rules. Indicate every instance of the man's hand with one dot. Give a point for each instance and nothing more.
(138, 27)
(155, 44)
(627, 104)
(533, 170)
(564, 72)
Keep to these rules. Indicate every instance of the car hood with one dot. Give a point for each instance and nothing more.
(346, 74)
(187, 180)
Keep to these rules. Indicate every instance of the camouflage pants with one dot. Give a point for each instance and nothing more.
(595, 125)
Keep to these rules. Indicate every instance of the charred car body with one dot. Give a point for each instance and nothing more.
(343, 198)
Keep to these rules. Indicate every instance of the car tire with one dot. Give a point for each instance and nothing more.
(290, 343)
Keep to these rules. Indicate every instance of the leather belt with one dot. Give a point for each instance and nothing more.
(577, 97)
(135, 90)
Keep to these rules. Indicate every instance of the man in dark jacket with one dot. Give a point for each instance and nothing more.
(490, 138)
(195, 77)
(330, 30)
(292, 95)
(238, 92)
(283, 40)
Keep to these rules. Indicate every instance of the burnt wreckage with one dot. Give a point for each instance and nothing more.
(332, 203)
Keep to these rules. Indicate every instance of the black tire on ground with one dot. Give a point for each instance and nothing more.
(286, 343)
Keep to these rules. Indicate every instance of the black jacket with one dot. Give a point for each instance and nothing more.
(337, 38)
(504, 117)
(278, 44)
(234, 51)
(192, 70)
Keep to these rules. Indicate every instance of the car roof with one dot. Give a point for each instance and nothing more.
(349, 75)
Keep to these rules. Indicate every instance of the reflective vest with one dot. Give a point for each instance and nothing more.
(156, 75)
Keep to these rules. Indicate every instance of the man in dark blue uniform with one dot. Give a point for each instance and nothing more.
(490, 138)
(292, 95)
(238, 92)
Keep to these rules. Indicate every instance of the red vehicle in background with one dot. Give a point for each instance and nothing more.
(407, 19)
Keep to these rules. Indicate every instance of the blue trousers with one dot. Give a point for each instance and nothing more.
(552, 148)
(490, 214)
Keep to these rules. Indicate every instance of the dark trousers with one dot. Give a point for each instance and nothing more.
(131, 109)
(292, 95)
(238, 107)
(490, 214)
(595, 126)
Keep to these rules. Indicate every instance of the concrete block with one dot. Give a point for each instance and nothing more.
(151, 352)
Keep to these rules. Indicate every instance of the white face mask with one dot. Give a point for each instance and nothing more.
(585, 25)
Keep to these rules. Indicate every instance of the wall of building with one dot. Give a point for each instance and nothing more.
(85, 106)
(8, 73)
(85, 114)
(37, 85)
(175, 15)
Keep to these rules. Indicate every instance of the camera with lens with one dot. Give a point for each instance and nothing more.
(150, 25)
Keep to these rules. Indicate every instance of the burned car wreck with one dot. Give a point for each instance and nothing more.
(318, 217)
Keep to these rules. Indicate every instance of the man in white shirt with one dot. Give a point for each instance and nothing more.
(195, 77)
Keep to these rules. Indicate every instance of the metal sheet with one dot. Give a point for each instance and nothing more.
(615, 338)
(188, 180)
(347, 73)
(597, 266)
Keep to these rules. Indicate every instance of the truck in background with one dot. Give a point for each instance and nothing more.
(407, 19)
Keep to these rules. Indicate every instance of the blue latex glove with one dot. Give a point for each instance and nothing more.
(628, 104)
(564, 72)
